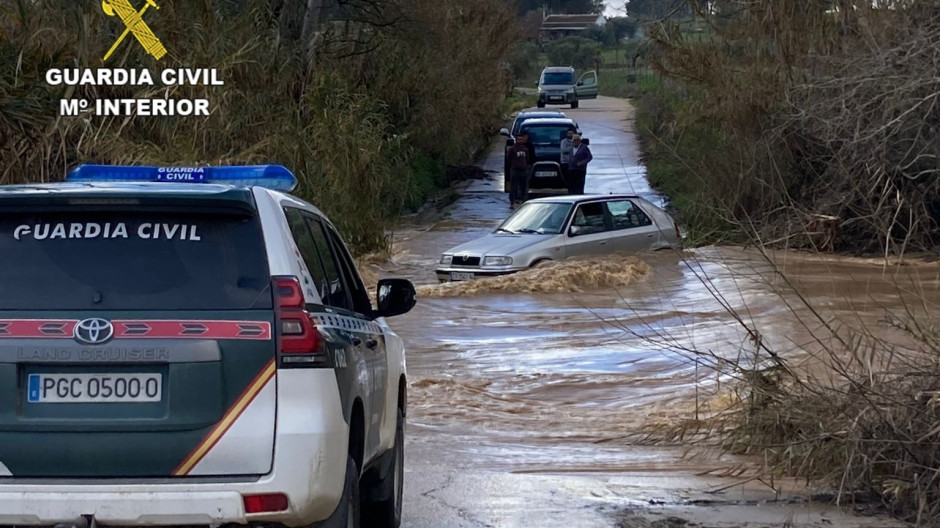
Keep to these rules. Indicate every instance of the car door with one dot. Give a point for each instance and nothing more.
(338, 319)
(589, 231)
(631, 228)
(367, 335)
(587, 86)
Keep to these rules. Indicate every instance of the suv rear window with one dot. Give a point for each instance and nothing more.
(144, 260)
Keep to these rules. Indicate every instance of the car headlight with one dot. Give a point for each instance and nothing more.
(497, 261)
(446, 260)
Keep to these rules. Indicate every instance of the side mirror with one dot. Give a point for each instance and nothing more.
(586, 141)
(536, 84)
(580, 83)
(504, 132)
(395, 297)
(574, 231)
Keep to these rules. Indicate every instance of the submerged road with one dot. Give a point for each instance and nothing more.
(531, 410)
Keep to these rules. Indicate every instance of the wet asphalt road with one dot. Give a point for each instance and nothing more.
(518, 405)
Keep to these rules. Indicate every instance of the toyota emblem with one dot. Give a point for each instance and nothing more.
(94, 331)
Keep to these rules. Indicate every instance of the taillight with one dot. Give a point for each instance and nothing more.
(299, 343)
(268, 502)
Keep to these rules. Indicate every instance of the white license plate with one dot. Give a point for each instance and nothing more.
(460, 276)
(94, 388)
(544, 174)
(556, 98)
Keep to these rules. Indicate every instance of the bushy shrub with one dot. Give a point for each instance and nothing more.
(573, 51)
(355, 109)
(524, 59)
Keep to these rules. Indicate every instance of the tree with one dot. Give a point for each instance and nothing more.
(657, 9)
(560, 6)
(621, 27)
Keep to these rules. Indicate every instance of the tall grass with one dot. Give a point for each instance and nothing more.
(786, 113)
(353, 109)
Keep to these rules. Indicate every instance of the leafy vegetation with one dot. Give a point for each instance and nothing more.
(573, 51)
(812, 125)
(365, 103)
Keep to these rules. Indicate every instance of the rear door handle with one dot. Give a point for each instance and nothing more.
(372, 343)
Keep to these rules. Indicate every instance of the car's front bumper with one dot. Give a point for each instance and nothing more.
(547, 176)
(449, 274)
(557, 98)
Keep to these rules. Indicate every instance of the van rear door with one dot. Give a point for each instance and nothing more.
(136, 340)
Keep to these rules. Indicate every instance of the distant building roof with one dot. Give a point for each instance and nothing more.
(571, 22)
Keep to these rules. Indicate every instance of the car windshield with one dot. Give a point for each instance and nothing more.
(537, 218)
(517, 124)
(557, 78)
(547, 135)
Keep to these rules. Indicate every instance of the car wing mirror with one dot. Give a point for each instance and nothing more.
(586, 141)
(580, 83)
(574, 231)
(503, 132)
(395, 297)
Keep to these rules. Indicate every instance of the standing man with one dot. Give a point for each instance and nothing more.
(567, 149)
(518, 169)
(577, 166)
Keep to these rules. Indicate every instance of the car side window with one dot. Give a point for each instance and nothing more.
(333, 287)
(590, 218)
(625, 214)
(308, 251)
(360, 297)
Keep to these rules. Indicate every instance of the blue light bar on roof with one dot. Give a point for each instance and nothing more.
(274, 177)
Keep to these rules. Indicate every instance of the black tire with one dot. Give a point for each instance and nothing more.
(540, 104)
(386, 513)
(506, 181)
(348, 511)
(574, 104)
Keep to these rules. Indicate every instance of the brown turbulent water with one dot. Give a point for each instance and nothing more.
(557, 369)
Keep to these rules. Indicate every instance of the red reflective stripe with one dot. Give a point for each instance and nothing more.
(47, 328)
(228, 420)
(140, 329)
(191, 329)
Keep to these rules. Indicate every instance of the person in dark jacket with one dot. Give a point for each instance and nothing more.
(577, 165)
(519, 164)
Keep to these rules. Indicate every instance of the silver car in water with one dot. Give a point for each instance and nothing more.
(562, 227)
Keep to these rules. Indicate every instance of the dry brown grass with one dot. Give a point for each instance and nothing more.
(351, 109)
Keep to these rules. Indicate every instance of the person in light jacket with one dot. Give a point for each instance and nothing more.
(577, 166)
(567, 149)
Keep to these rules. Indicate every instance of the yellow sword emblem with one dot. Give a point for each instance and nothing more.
(134, 21)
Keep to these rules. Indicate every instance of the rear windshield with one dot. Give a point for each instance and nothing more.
(132, 261)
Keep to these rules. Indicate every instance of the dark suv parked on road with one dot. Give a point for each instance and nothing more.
(545, 134)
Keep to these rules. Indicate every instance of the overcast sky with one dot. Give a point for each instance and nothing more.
(614, 8)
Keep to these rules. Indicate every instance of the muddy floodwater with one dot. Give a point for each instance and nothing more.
(530, 398)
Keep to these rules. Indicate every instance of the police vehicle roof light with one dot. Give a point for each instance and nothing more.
(274, 177)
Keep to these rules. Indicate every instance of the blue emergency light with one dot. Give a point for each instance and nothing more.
(274, 177)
